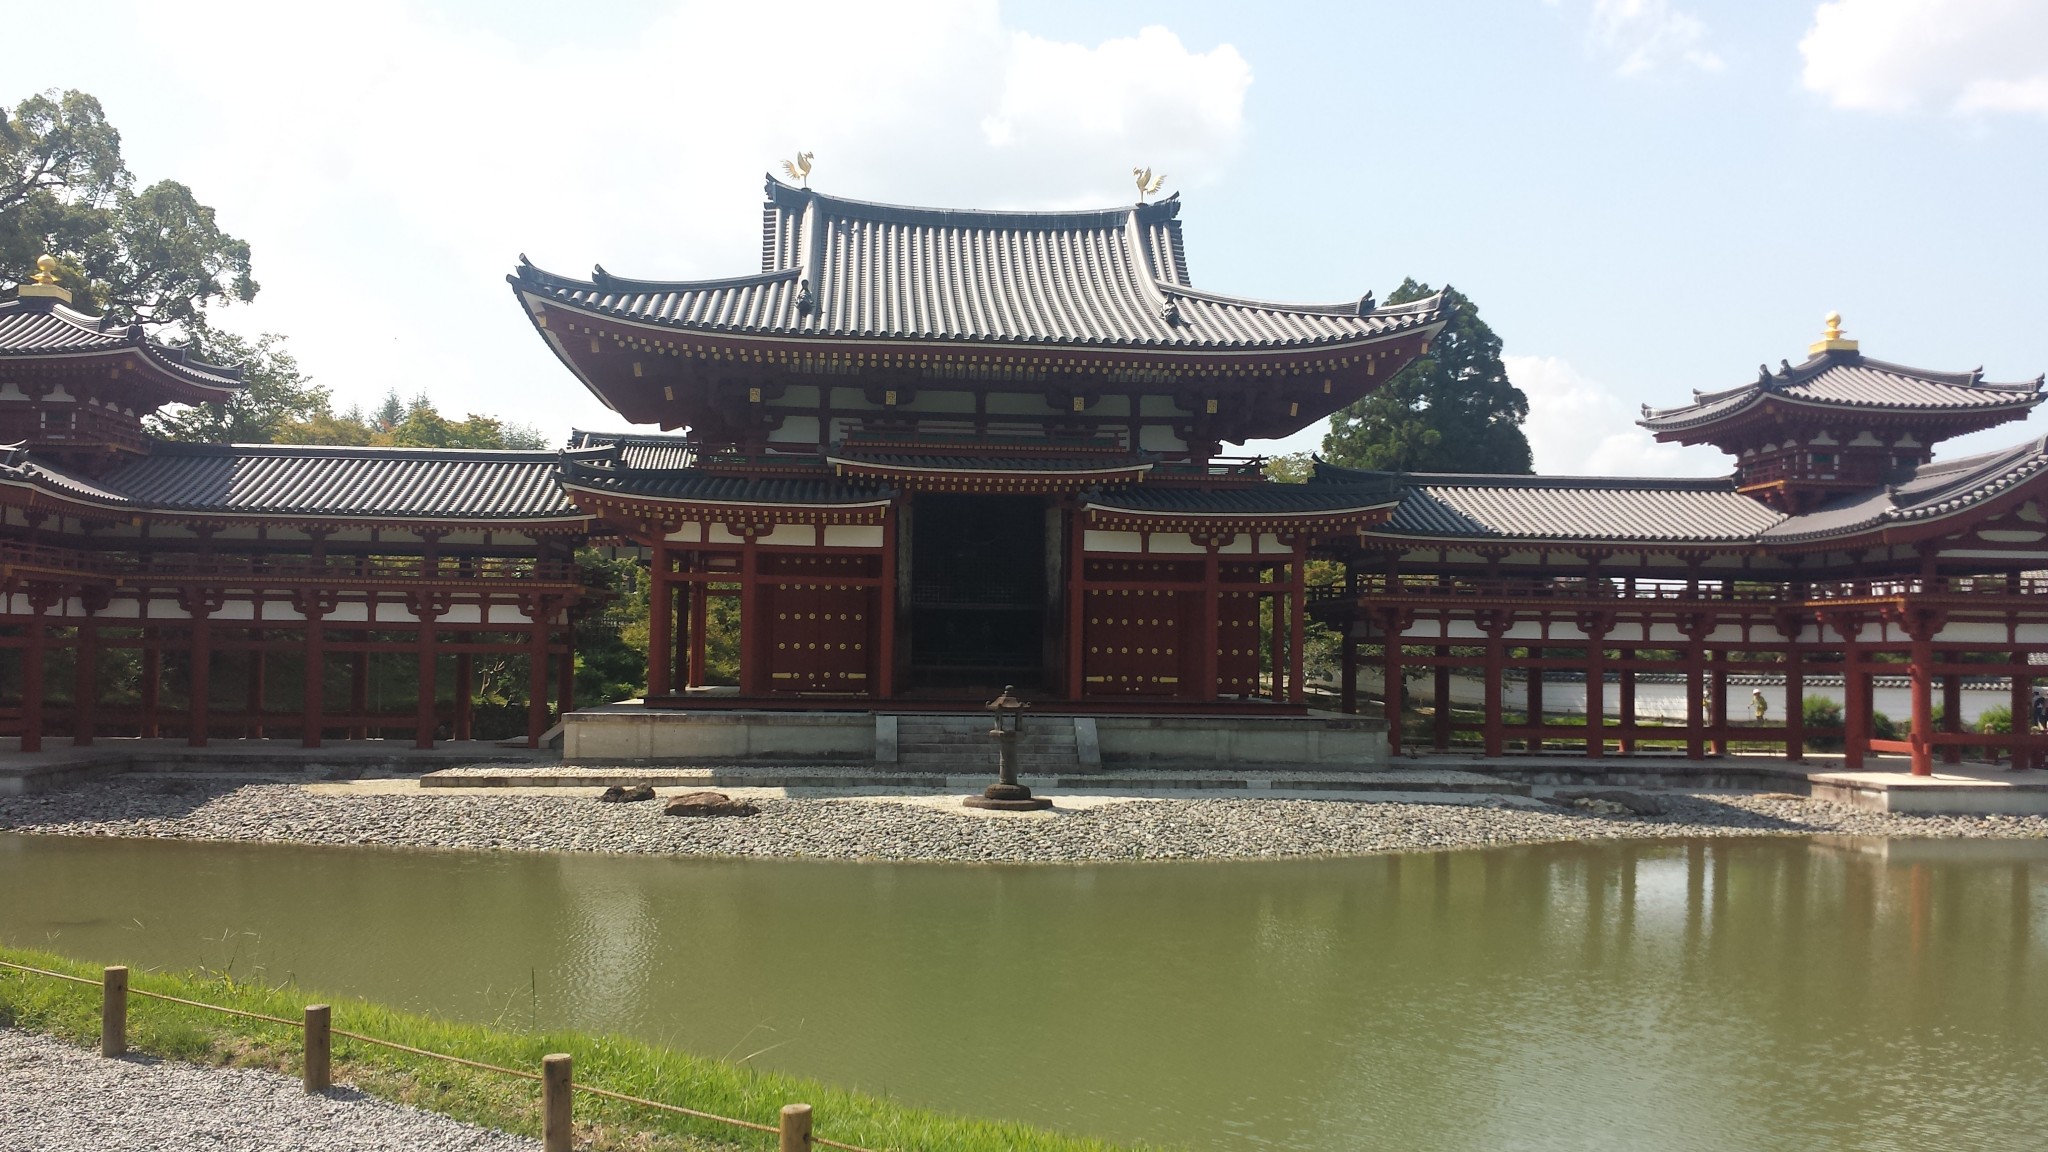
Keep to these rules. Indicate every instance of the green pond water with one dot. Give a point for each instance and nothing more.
(1741, 994)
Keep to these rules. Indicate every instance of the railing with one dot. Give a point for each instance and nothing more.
(189, 566)
(557, 1088)
(1639, 589)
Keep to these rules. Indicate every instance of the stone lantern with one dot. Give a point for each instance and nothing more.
(1006, 795)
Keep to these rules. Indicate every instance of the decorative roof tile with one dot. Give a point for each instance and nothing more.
(43, 327)
(1848, 380)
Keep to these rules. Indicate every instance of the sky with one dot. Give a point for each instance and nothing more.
(1643, 197)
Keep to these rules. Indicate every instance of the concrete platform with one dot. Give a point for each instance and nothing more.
(62, 767)
(1403, 781)
(633, 732)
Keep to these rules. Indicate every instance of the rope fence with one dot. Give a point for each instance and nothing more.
(557, 1087)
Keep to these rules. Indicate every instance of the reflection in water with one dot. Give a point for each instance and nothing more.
(1781, 993)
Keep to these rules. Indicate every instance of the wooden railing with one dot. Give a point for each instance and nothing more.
(1714, 591)
(186, 567)
(557, 1089)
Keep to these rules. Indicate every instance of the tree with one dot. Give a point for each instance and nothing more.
(1453, 410)
(275, 396)
(155, 257)
(406, 424)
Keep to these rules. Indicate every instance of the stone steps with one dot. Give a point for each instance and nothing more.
(962, 743)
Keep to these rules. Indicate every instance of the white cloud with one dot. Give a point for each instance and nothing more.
(406, 158)
(1580, 427)
(1645, 36)
(1959, 56)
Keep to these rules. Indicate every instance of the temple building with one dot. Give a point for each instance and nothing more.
(177, 590)
(935, 452)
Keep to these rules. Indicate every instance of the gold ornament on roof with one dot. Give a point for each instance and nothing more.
(44, 282)
(1831, 338)
(799, 169)
(1147, 182)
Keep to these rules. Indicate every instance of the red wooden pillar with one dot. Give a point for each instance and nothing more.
(700, 617)
(1596, 696)
(1441, 700)
(85, 680)
(883, 667)
(1532, 685)
(539, 612)
(1695, 701)
(465, 692)
(2022, 702)
(661, 629)
(1207, 631)
(1952, 715)
(315, 674)
(565, 668)
(202, 674)
(1077, 603)
(424, 717)
(1920, 666)
(1495, 670)
(754, 628)
(1297, 627)
(1391, 684)
(32, 660)
(1718, 694)
(359, 685)
(152, 681)
(1855, 710)
(1625, 701)
(1795, 703)
(253, 690)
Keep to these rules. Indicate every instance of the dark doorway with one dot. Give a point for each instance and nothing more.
(977, 592)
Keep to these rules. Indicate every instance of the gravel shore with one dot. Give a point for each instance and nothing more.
(928, 827)
(59, 1098)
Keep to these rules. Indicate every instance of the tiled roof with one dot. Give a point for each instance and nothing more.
(43, 327)
(371, 483)
(1043, 465)
(1266, 499)
(693, 485)
(841, 268)
(639, 451)
(1839, 379)
(1567, 508)
(1932, 490)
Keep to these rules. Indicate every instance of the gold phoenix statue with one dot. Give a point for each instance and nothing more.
(799, 169)
(1147, 182)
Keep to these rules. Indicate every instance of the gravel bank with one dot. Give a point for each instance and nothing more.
(879, 828)
(60, 1098)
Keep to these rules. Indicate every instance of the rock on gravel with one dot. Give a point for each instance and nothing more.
(871, 828)
(59, 1098)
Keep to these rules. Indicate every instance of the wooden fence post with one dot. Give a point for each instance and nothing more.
(114, 1012)
(796, 1128)
(319, 1046)
(555, 1090)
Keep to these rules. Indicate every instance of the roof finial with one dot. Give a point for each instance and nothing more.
(44, 282)
(799, 169)
(1147, 182)
(1831, 339)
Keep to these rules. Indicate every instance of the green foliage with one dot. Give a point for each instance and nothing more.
(70, 1011)
(611, 640)
(1453, 410)
(1292, 468)
(1995, 720)
(407, 424)
(276, 395)
(1821, 712)
(1882, 727)
(155, 256)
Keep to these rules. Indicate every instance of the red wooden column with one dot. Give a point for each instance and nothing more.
(884, 664)
(465, 691)
(661, 628)
(1717, 693)
(1855, 709)
(1077, 602)
(253, 690)
(85, 680)
(1952, 715)
(700, 616)
(1347, 672)
(1532, 686)
(201, 607)
(1920, 666)
(539, 612)
(1441, 722)
(1795, 702)
(1625, 699)
(2022, 703)
(1297, 626)
(1695, 700)
(359, 683)
(315, 612)
(1390, 685)
(152, 680)
(1596, 694)
(753, 624)
(33, 658)
(425, 718)
(1207, 631)
(1495, 670)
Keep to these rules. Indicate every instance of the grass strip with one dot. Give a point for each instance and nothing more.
(70, 1012)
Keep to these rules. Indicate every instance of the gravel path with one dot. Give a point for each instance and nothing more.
(58, 1098)
(869, 827)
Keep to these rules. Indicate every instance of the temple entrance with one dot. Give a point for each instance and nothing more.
(977, 592)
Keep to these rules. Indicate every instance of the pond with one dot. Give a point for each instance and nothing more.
(1732, 994)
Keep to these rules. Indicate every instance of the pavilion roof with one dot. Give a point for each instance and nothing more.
(277, 480)
(1845, 380)
(42, 328)
(637, 450)
(1928, 492)
(839, 269)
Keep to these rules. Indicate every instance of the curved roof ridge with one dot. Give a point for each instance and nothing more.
(1611, 483)
(1340, 308)
(790, 198)
(185, 448)
(604, 282)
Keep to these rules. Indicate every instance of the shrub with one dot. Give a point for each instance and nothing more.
(1996, 719)
(1821, 712)
(1882, 727)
